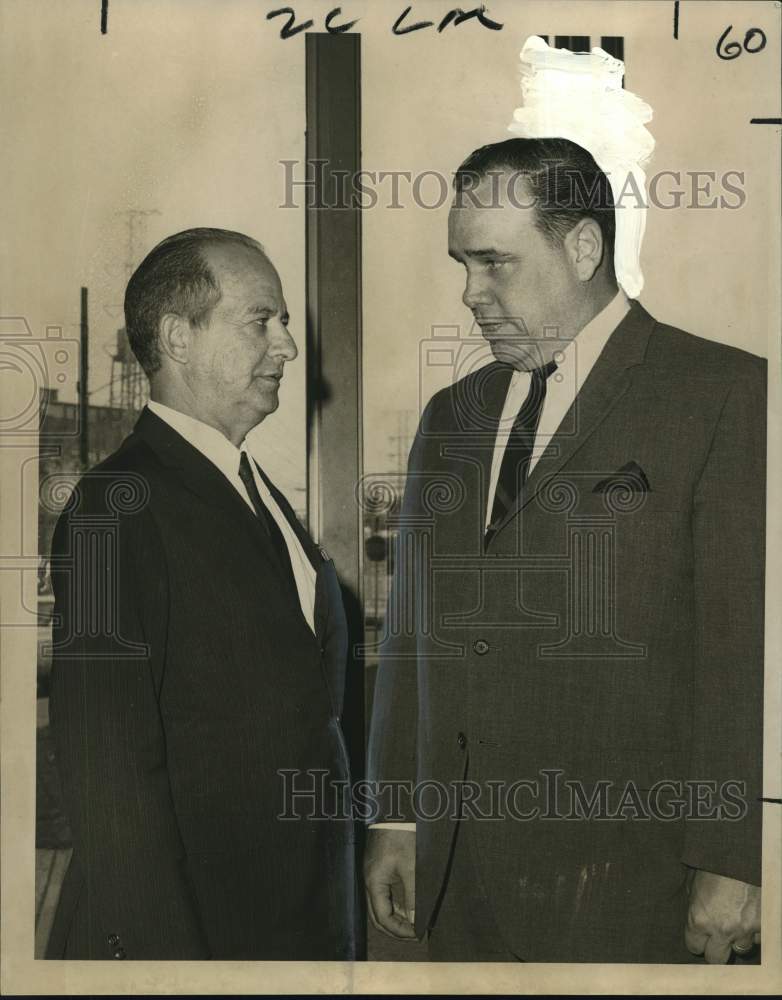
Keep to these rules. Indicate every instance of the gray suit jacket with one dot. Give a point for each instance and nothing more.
(613, 632)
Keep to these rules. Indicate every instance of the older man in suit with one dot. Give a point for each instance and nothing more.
(199, 649)
(578, 670)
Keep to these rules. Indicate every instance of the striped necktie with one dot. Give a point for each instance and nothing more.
(518, 451)
(267, 520)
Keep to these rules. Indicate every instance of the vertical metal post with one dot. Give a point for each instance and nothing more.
(84, 399)
(333, 285)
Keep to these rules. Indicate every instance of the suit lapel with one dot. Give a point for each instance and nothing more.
(199, 475)
(312, 550)
(479, 406)
(204, 479)
(605, 385)
(320, 561)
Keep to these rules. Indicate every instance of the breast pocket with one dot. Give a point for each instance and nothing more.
(616, 503)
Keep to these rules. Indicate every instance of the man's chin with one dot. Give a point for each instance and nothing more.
(267, 402)
(270, 405)
(512, 354)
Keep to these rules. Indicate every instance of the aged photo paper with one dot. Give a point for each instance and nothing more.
(330, 133)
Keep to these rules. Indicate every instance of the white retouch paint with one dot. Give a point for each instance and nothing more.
(579, 96)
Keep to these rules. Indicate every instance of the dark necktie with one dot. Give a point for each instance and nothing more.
(518, 451)
(267, 520)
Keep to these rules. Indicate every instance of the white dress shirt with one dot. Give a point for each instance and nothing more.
(215, 446)
(574, 363)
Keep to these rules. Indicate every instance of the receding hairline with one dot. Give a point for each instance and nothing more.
(209, 249)
(198, 241)
(203, 235)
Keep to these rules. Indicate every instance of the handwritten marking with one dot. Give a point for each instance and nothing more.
(676, 20)
(290, 28)
(733, 49)
(751, 34)
(456, 17)
(337, 29)
(397, 30)
(104, 16)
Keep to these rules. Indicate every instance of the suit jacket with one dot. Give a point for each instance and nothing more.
(611, 631)
(184, 678)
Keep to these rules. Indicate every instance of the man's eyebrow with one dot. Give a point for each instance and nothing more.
(481, 254)
(261, 310)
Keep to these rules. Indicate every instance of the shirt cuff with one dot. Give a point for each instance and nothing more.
(392, 826)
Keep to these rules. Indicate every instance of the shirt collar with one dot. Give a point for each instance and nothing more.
(588, 344)
(211, 442)
(592, 338)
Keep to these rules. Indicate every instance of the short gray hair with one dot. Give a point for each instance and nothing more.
(174, 277)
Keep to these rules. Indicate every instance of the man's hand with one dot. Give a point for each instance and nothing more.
(724, 915)
(389, 877)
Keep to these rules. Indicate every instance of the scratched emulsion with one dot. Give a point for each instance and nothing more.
(579, 96)
(580, 889)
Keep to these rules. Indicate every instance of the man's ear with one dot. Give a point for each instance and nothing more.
(175, 337)
(584, 246)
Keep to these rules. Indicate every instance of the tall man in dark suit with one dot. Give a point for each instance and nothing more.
(199, 649)
(579, 579)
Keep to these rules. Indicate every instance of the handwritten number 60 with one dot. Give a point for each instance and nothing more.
(754, 41)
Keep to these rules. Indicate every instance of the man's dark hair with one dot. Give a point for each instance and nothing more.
(174, 277)
(563, 178)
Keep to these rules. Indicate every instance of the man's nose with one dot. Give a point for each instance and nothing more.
(476, 292)
(283, 345)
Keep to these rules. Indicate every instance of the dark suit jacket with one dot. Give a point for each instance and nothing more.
(184, 677)
(613, 630)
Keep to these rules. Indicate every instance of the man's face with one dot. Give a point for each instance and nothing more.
(518, 284)
(236, 360)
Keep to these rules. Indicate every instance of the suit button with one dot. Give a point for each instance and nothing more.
(119, 953)
(461, 739)
(113, 940)
(480, 646)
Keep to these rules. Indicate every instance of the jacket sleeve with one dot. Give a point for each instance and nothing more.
(392, 744)
(111, 607)
(729, 554)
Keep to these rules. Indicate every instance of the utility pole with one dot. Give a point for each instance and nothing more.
(128, 389)
(136, 222)
(84, 398)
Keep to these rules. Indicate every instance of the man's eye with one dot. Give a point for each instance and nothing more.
(261, 322)
(494, 265)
